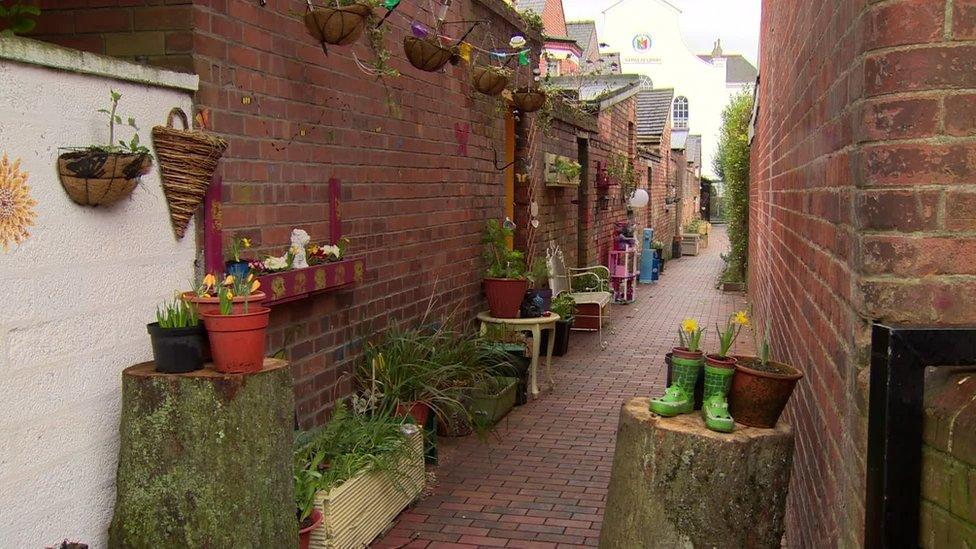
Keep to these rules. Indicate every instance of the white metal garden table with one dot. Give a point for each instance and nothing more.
(535, 326)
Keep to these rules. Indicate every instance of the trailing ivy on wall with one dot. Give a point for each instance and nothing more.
(732, 166)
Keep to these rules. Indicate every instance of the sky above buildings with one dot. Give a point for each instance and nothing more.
(736, 22)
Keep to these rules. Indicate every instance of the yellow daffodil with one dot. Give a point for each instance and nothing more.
(229, 280)
(741, 318)
(255, 286)
(209, 280)
(689, 325)
(246, 242)
(250, 277)
(230, 294)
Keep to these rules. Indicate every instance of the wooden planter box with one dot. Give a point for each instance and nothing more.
(364, 506)
(300, 283)
(556, 179)
(690, 244)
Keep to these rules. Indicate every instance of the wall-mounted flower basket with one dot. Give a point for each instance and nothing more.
(529, 100)
(490, 80)
(603, 179)
(562, 171)
(94, 177)
(339, 26)
(187, 162)
(426, 54)
(301, 283)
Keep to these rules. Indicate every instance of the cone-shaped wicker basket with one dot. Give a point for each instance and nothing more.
(187, 161)
(94, 177)
(339, 26)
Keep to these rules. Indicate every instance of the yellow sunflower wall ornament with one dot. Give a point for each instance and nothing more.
(16, 205)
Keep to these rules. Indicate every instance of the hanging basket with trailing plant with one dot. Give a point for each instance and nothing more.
(99, 175)
(529, 99)
(187, 162)
(490, 80)
(338, 25)
(425, 54)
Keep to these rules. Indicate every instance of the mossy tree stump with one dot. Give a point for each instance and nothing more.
(205, 460)
(677, 484)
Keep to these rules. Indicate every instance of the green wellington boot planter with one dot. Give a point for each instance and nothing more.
(718, 380)
(679, 397)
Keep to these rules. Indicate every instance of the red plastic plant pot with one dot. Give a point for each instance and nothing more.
(505, 296)
(237, 340)
(305, 534)
(682, 352)
(718, 361)
(419, 411)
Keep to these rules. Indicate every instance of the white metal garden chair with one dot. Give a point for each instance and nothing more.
(561, 280)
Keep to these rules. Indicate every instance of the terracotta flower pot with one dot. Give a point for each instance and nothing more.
(237, 340)
(505, 296)
(212, 304)
(305, 534)
(337, 26)
(100, 178)
(718, 361)
(529, 100)
(488, 81)
(426, 55)
(758, 397)
(419, 411)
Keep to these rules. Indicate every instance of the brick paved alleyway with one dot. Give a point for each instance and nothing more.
(542, 481)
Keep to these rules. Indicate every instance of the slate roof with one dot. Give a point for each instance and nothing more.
(738, 70)
(653, 111)
(597, 87)
(583, 32)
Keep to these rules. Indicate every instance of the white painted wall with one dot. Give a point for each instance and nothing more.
(76, 295)
(669, 63)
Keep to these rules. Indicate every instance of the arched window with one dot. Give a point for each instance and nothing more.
(680, 113)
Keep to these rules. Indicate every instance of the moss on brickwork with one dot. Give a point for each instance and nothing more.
(205, 462)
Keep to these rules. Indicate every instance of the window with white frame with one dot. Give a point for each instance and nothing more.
(680, 113)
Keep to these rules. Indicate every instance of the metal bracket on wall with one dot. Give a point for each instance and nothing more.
(506, 166)
(899, 356)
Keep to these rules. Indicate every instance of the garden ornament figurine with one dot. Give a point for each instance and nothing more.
(686, 364)
(299, 239)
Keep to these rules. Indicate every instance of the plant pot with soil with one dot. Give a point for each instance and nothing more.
(237, 339)
(529, 99)
(179, 340)
(340, 24)
(538, 299)
(719, 371)
(505, 282)
(427, 54)
(205, 297)
(100, 175)
(490, 80)
(305, 527)
(761, 388)
(565, 306)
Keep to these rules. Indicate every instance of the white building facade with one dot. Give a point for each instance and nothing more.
(648, 36)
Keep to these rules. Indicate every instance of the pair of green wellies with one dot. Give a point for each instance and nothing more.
(679, 397)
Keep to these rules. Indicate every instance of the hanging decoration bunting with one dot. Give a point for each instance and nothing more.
(517, 41)
(523, 57)
(391, 6)
(465, 51)
(419, 30)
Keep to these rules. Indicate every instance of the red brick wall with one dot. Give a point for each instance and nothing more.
(861, 209)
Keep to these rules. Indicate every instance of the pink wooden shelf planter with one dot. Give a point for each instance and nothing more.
(284, 286)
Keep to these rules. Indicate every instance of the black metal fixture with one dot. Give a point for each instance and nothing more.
(899, 356)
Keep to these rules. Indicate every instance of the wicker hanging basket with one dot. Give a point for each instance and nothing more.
(425, 54)
(93, 177)
(529, 100)
(339, 26)
(488, 80)
(187, 161)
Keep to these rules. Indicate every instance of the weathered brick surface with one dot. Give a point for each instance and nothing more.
(542, 481)
(861, 210)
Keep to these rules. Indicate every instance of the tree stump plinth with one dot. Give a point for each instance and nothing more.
(205, 459)
(677, 484)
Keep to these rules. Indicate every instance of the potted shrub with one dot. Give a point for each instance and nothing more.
(236, 265)
(99, 175)
(529, 99)
(565, 306)
(307, 476)
(538, 299)
(178, 338)
(205, 296)
(237, 339)
(686, 366)
(490, 80)
(505, 282)
(340, 24)
(761, 387)
(427, 53)
(719, 369)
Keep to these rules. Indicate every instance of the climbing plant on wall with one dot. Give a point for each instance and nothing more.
(732, 166)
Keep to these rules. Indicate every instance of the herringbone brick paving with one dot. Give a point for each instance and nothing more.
(541, 479)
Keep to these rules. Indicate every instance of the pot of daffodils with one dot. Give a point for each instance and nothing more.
(761, 387)
(719, 370)
(178, 338)
(238, 266)
(686, 367)
(237, 337)
(205, 295)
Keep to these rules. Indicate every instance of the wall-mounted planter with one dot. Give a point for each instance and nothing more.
(363, 507)
(557, 178)
(98, 178)
(426, 55)
(339, 26)
(690, 244)
(529, 100)
(300, 283)
(489, 80)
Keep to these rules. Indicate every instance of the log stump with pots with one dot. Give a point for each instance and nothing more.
(677, 484)
(205, 459)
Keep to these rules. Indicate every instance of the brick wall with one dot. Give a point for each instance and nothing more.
(948, 514)
(860, 210)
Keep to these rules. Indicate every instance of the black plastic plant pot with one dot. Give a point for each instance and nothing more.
(178, 350)
(561, 346)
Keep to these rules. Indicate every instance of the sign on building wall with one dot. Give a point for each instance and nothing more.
(642, 43)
